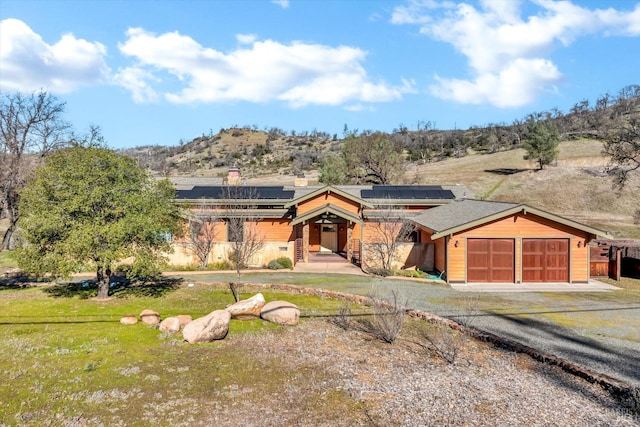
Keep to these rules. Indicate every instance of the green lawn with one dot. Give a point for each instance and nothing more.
(65, 356)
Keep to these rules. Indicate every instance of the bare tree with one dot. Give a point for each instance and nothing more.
(202, 232)
(243, 235)
(30, 127)
(623, 148)
(389, 230)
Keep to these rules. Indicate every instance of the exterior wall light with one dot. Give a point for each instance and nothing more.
(579, 243)
(456, 244)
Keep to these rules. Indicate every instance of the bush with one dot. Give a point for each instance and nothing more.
(275, 265)
(285, 262)
(381, 272)
(221, 265)
(387, 319)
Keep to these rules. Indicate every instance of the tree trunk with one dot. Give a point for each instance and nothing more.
(12, 215)
(7, 239)
(103, 283)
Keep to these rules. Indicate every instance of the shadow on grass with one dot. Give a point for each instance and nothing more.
(89, 289)
(21, 281)
(505, 171)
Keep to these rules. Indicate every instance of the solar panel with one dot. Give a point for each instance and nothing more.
(239, 192)
(407, 192)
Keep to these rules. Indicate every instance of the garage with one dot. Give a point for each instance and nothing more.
(545, 260)
(490, 260)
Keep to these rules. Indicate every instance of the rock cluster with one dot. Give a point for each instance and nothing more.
(215, 325)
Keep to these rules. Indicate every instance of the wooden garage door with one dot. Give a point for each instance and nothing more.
(490, 260)
(545, 260)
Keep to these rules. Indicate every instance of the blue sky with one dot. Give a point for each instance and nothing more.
(155, 72)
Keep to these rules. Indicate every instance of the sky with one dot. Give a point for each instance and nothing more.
(158, 72)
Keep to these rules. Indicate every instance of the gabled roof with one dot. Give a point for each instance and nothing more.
(327, 209)
(464, 214)
(328, 189)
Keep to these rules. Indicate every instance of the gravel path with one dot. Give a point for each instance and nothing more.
(601, 336)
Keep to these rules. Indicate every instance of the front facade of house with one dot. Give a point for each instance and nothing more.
(469, 240)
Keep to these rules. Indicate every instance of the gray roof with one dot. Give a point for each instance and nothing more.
(459, 212)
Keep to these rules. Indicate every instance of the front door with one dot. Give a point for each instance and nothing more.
(329, 238)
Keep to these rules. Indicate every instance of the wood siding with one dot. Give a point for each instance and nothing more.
(323, 199)
(276, 230)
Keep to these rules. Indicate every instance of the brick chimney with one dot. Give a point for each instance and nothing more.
(233, 177)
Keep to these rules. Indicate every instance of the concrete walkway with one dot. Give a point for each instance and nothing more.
(328, 268)
(591, 286)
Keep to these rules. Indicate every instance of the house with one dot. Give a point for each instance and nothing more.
(446, 231)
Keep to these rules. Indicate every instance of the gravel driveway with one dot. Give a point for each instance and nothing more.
(599, 335)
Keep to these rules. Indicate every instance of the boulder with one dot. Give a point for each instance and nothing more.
(129, 320)
(150, 317)
(247, 309)
(170, 325)
(184, 319)
(213, 326)
(281, 312)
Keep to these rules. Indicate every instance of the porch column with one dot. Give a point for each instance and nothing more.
(305, 242)
(349, 242)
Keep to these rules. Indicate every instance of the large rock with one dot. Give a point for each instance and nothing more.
(281, 312)
(247, 309)
(129, 320)
(213, 326)
(170, 325)
(150, 317)
(184, 319)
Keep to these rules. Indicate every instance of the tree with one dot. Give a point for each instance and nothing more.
(389, 230)
(369, 158)
(202, 233)
(244, 237)
(87, 207)
(541, 142)
(334, 170)
(31, 126)
(623, 149)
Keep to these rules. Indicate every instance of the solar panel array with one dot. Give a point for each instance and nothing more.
(407, 192)
(239, 192)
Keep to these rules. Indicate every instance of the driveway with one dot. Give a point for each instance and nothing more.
(591, 329)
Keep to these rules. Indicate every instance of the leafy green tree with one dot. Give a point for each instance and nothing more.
(541, 142)
(88, 208)
(371, 157)
(334, 170)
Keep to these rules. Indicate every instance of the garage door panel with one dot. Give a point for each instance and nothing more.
(545, 260)
(490, 260)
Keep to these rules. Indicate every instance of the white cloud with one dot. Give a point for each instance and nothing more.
(282, 3)
(28, 63)
(298, 73)
(246, 38)
(508, 54)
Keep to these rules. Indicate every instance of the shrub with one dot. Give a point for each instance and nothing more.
(285, 262)
(221, 265)
(387, 319)
(381, 272)
(275, 265)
